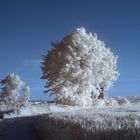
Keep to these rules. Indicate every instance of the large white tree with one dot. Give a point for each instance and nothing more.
(14, 93)
(79, 68)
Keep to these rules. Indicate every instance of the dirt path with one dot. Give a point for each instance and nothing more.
(20, 129)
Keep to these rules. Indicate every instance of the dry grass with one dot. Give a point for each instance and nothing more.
(48, 128)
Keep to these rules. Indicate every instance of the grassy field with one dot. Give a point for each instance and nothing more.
(48, 128)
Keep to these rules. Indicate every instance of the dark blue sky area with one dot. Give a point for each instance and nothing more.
(28, 26)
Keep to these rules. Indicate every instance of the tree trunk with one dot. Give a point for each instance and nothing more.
(101, 96)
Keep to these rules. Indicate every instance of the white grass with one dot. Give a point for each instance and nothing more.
(91, 121)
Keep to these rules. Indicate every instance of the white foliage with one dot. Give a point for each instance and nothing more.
(10, 95)
(25, 98)
(122, 101)
(79, 67)
(108, 107)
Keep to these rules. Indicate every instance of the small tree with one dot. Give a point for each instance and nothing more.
(79, 68)
(14, 93)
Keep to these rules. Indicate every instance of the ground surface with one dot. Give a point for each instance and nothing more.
(121, 121)
(19, 129)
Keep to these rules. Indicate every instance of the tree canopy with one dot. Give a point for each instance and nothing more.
(14, 93)
(79, 68)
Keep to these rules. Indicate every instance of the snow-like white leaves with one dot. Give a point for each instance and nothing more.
(11, 89)
(79, 67)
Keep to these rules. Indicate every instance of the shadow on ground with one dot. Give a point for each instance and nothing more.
(18, 129)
